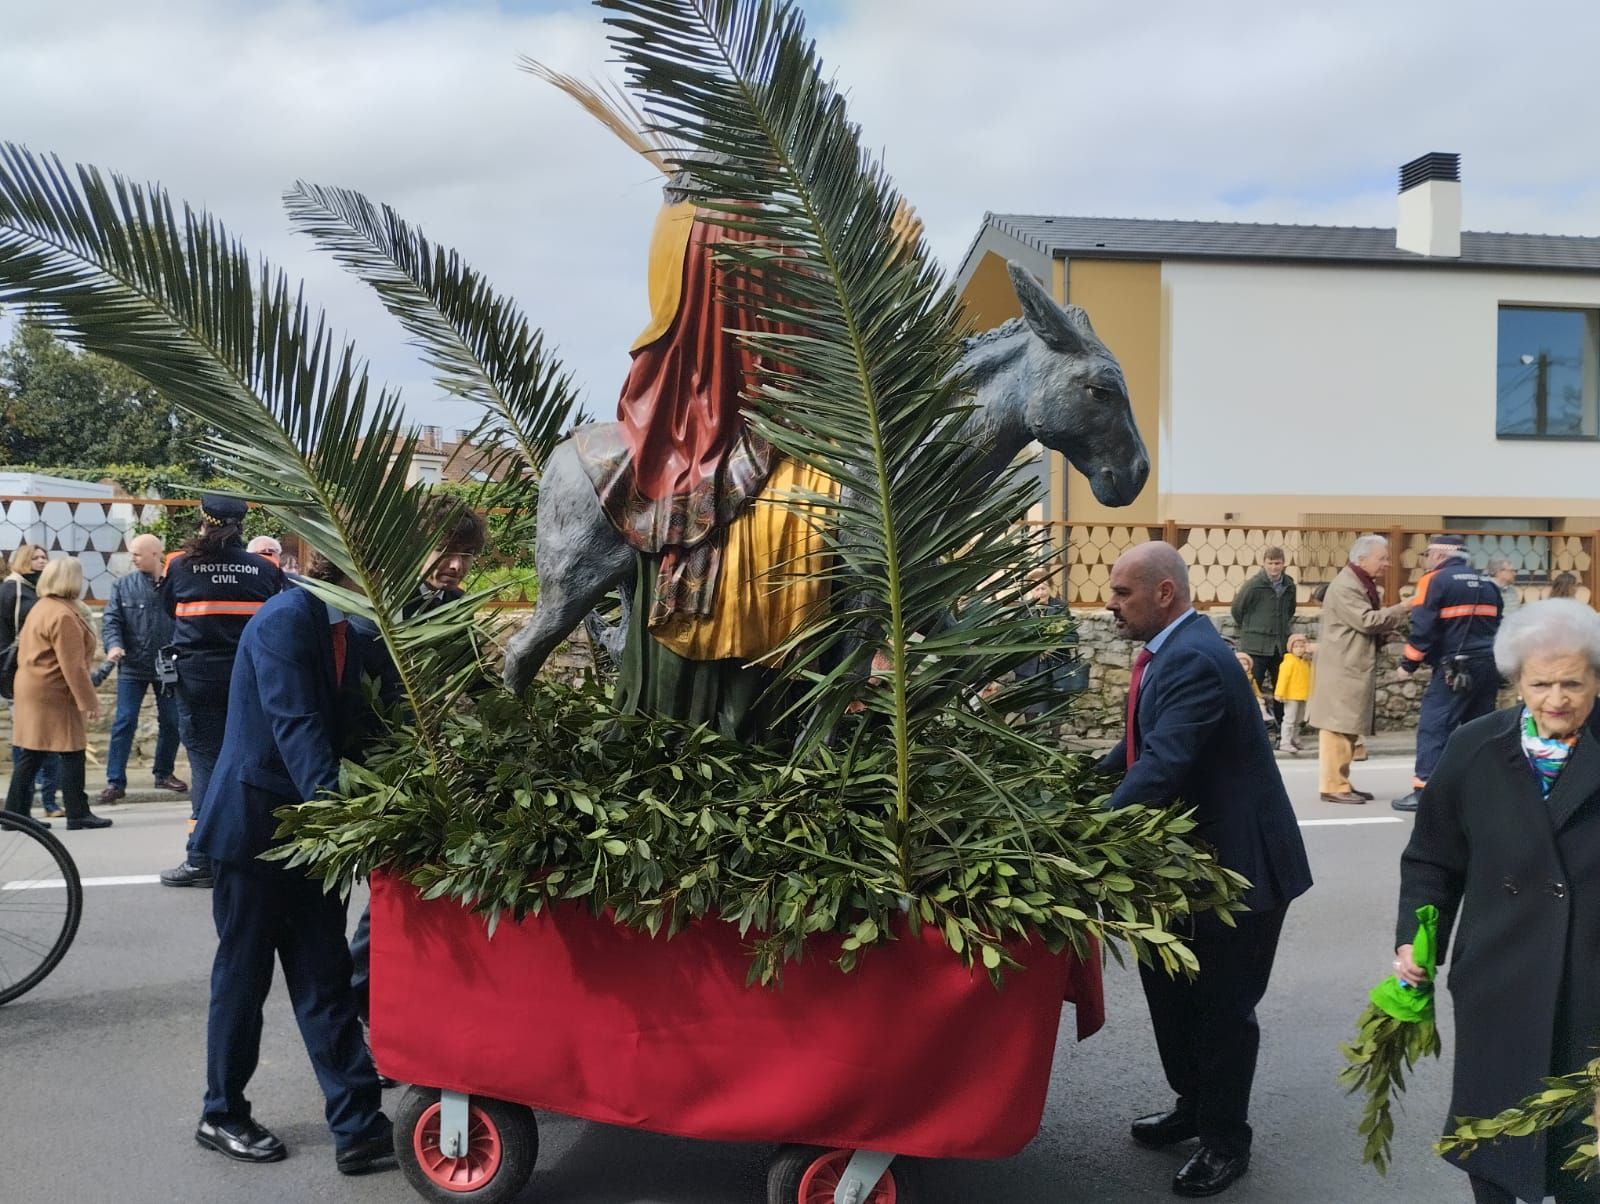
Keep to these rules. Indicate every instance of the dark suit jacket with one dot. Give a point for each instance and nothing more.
(1201, 742)
(289, 724)
(1522, 872)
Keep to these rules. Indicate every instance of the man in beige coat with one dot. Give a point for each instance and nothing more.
(1344, 693)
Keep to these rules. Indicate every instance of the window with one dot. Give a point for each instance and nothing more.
(1546, 371)
(1523, 541)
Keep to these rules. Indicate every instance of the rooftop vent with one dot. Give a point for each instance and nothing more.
(1430, 206)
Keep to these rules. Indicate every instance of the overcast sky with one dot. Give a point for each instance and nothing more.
(1232, 110)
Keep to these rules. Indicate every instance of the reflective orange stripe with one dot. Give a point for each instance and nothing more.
(1422, 587)
(195, 610)
(1474, 609)
(1411, 654)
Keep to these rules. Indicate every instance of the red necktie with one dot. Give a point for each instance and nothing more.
(1139, 662)
(337, 631)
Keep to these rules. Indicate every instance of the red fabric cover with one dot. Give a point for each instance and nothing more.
(570, 1013)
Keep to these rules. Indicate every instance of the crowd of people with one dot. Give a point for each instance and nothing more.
(262, 682)
(263, 685)
(1506, 844)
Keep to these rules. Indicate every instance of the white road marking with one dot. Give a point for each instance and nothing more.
(1347, 823)
(58, 883)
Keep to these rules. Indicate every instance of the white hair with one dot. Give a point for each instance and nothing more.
(1496, 563)
(1555, 626)
(1366, 544)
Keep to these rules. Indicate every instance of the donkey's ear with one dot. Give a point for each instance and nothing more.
(1049, 321)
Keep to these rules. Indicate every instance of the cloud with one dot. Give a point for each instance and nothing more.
(1238, 110)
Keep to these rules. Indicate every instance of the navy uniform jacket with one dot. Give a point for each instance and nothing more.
(1457, 614)
(211, 601)
(289, 724)
(1201, 742)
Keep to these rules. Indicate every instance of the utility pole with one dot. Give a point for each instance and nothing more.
(1541, 393)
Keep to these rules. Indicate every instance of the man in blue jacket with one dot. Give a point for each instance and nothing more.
(135, 625)
(1195, 738)
(295, 710)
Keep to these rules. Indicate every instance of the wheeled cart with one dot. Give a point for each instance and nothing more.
(910, 1054)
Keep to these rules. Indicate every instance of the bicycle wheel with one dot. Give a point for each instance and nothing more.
(41, 901)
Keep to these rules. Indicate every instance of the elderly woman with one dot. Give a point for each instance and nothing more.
(55, 698)
(1507, 837)
(17, 597)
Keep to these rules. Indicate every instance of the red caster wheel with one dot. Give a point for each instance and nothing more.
(803, 1174)
(502, 1146)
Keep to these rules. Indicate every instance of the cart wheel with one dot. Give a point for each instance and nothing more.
(502, 1146)
(805, 1174)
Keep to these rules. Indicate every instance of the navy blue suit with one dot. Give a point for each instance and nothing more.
(1201, 743)
(289, 723)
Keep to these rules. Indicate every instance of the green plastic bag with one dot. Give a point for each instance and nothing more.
(1394, 996)
(1395, 1031)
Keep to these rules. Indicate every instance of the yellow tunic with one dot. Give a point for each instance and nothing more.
(766, 589)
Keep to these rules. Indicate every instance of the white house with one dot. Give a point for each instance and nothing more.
(1333, 376)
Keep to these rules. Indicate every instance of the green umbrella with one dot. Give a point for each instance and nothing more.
(1393, 1034)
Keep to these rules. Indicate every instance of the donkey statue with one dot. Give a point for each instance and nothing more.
(1044, 377)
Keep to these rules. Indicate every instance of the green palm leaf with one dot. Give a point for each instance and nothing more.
(479, 344)
(868, 389)
(114, 268)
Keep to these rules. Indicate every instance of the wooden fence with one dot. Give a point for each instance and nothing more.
(1221, 558)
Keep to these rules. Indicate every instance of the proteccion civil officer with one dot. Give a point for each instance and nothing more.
(212, 588)
(1454, 619)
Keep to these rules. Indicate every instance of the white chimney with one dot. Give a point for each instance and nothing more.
(1430, 206)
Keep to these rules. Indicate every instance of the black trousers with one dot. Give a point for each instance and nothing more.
(1443, 710)
(1206, 1028)
(25, 767)
(1567, 1188)
(202, 720)
(262, 913)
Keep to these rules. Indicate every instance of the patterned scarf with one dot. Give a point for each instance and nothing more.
(1547, 757)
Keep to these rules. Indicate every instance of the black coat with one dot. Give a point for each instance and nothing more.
(17, 597)
(1201, 741)
(1523, 874)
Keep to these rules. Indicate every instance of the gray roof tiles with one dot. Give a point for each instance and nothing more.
(1138, 238)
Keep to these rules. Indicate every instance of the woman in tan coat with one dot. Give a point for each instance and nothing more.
(1344, 690)
(55, 700)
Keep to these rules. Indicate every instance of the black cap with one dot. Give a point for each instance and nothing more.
(218, 510)
(1448, 541)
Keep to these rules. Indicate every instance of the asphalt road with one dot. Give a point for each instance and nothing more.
(102, 1067)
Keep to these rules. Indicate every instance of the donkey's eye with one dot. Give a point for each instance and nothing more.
(1102, 392)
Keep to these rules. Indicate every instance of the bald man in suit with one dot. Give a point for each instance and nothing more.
(1195, 738)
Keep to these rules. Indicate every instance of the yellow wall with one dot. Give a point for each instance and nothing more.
(1123, 301)
(989, 298)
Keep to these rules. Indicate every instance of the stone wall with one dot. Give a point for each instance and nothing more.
(1098, 713)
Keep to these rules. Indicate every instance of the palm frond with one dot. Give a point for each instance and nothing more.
(479, 344)
(867, 386)
(612, 108)
(116, 269)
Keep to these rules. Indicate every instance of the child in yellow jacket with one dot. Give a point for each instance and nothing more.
(1293, 688)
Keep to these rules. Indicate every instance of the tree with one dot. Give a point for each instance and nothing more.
(62, 406)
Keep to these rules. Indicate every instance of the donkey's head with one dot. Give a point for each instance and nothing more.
(1076, 400)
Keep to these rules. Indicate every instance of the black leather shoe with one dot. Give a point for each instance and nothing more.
(370, 1153)
(1367, 795)
(1164, 1128)
(87, 820)
(1207, 1172)
(243, 1140)
(1407, 802)
(186, 875)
